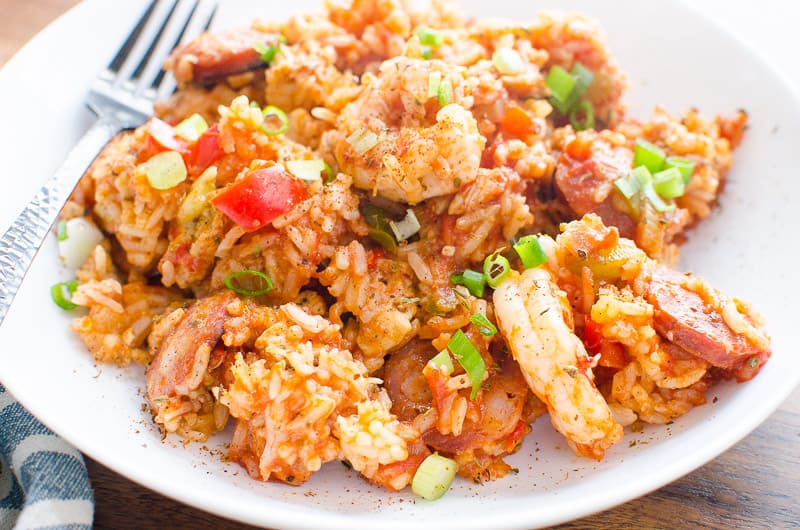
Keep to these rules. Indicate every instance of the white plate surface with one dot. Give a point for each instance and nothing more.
(748, 247)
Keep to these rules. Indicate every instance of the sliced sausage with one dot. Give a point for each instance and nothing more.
(683, 317)
(181, 361)
(213, 56)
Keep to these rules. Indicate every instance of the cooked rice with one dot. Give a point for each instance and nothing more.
(332, 362)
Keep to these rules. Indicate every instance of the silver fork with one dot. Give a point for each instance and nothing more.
(122, 98)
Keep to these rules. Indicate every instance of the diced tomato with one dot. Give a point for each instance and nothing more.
(373, 255)
(592, 336)
(612, 355)
(164, 135)
(518, 122)
(261, 196)
(204, 152)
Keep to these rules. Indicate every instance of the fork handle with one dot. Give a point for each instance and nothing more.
(25, 236)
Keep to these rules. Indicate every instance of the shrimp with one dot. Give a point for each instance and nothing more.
(404, 145)
(530, 312)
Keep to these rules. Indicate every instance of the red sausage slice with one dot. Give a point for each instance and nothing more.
(683, 317)
(213, 56)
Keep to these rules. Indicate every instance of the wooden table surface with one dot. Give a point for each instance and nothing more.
(756, 484)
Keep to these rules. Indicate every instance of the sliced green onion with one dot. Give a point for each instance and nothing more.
(642, 176)
(406, 227)
(655, 199)
(84, 236)
(306, 170)
(430, 37)
(433, 477)
(583, 78)
(362, 140)
(645, 182)
(530, 251)
(485, 327)
(442, 359)
(495, 268)
(275, 121)
(434, 80)
(628, 186)
(669, 183)
(469, 358)
(648, 155)
(587, 110)
(384, 239)
(165, 170)
(260, 281)
(445, 93)
(191, 128)
(508, 61)
(684, 165)
(380, 231)
(474, 281)
(62, 292)
(329, 175)
(61, 230)
(561, 85)
(268, 52)
(566, 89)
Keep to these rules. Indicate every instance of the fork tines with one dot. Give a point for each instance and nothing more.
(164, 24)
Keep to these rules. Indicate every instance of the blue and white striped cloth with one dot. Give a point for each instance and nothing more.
(43, 480)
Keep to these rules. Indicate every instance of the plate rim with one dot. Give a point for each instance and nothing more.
(323, 518)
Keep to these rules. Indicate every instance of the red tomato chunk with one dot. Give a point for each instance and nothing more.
(261, 196)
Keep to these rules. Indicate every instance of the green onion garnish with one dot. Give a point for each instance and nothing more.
(684, 165)
(443, 359)
(191, 128)
(406, 227)
(486, 328)
(268, 52)
(434, 80)
(561, 85)
(445, 92)
(427, 51)
(275, 121)
(433, 477)
(362, 140)
(508, 61)
(495, 268)
(474, 281)
(61, 230)
(669, 183)
(583, 78)
(469, 358)
(567, 88)
(642, 176)
(256, 278)
(648, 155)
(655, 199)
(628, 186)
(62, 292)
(585, 108)
(380, 231)
(530, 251)
(384, 239)
(430, 37)
(329, 175)
(306, 170)
(164, 170)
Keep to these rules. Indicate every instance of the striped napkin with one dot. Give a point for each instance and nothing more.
(43, 480)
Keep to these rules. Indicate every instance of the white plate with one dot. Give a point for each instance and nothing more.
(748, 247)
